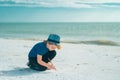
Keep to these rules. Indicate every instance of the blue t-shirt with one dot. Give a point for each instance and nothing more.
(38, 49)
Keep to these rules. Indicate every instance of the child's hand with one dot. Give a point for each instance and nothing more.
(52, 67)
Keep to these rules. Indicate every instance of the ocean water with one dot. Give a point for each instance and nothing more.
(101, 33)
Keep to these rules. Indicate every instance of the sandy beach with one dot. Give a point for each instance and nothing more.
(73, 62)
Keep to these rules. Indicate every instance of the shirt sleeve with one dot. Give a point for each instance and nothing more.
(41, 49)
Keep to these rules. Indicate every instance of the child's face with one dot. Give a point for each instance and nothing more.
(51, 46)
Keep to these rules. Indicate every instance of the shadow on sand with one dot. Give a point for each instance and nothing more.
(17, 72)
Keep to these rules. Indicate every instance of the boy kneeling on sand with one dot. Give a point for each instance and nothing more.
(42, 53)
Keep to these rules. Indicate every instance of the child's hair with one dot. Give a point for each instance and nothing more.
(45, 41)
(59, 47)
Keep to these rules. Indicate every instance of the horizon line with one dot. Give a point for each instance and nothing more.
(66, 22)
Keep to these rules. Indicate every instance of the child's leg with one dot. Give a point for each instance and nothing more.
(46, 58)
(34, 65)
(49, 56)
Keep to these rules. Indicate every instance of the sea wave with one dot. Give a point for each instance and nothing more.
(92, 42)
(95, 42)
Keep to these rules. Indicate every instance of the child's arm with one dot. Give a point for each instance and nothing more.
(41, 62)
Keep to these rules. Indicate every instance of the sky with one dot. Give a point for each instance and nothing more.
(59, 10)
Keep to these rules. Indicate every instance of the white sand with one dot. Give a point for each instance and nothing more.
(73, 62)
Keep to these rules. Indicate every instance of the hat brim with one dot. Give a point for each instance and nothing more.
(53, 43)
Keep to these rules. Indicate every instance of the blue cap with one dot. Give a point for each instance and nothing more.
(54, 38)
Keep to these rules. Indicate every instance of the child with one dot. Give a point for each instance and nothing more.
(42, 53)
